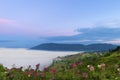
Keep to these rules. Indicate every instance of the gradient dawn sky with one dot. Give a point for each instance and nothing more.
(46, 18)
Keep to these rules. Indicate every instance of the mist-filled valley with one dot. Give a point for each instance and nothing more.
(11, 57)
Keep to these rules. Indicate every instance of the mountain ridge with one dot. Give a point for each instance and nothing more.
(74, 47)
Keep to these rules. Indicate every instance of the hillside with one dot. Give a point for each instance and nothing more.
(74, 47)
(94, 66)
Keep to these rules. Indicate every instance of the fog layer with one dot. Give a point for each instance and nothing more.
(24, 57)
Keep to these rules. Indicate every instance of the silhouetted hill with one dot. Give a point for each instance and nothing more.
(100, 47)
(116, 49)
(74, 47)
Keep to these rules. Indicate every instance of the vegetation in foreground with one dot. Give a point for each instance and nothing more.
(86, 66)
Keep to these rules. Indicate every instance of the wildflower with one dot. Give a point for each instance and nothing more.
(118, 73)
(42, 74)
(21, 68)
(116, 66)
(85, 74)
(103, 66)
(5, 72)
(35, 74)
(88, 66)
(74, 65)
(8, 70)
(91, 68)
(45, 69)
(118, 69)
(99, 66)
(79, 62)
(116, 78)
(29, 67)
(38, 65)
(29, 73)
(54, 71)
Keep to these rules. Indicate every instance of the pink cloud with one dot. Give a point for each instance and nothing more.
(2, 21)
(6, 21)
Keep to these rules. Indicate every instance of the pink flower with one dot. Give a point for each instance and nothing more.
(42, 74)
(103, 66)
(38, 65)
(74, 65)
(79, 62)
(91, 68)
(45, 69)
(29, 73)
(35, 74)
(8, 70)
(54, 71)
(85, 74)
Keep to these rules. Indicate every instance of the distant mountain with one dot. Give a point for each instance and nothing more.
(116, 49)
(74, 47)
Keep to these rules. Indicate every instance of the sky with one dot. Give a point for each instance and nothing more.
(33, 19)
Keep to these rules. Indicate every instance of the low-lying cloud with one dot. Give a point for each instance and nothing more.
(23, 57)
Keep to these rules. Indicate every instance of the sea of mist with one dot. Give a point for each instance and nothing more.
(11, 57)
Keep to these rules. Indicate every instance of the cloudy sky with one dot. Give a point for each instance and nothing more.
(59, 20)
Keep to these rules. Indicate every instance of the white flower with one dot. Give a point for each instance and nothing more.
(88, 66)
(118, 69)
(99, 66)
(116, 78)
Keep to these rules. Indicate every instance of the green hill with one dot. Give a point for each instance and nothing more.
(106, 65)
